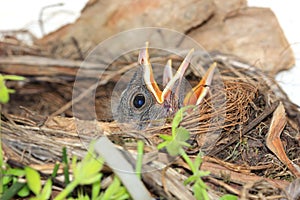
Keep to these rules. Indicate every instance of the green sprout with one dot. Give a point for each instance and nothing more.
(85, 172)
(4, 91)
(180, 135)
(35, 185)
(139, 160)
(174, 144)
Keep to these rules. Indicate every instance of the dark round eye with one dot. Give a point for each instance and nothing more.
(139, 101)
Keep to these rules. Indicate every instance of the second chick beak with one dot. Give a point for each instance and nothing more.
(172, 83)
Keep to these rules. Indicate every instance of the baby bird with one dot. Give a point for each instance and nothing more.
(142, 103)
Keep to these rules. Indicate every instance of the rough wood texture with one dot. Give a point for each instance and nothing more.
(253, 34)
(43, 66)
(103, 19)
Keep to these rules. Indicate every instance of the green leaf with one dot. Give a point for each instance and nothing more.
(182, 134)
(190, 179)
(162, 145)
(91, 180)
(11, 91)
(4, 91)
(173, 148)
(74, 163)
(6, 179)
(183, 144)
(166, 137)
(12, 191)
(36, 198)
(121, 194)
(33, 180)
(176, 141)
(13, 77)
(65, 165)
(4, 96)
(197, 161)
(81, 196)
(47, 189)
(229, 197)
(24, 192)
(112, 189)
(178, 117)
(55, 170)
(87, 171)
(124, 196)
(15, 172)
(96, 189)
(200, 193)
(139, 159)
(203, 173)
(201, 183)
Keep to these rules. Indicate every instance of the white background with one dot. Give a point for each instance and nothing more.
(24, 14)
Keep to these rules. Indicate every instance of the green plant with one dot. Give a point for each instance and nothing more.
(4, 98)
(85, 172)
(174, 144)
(228, 197)
(4, 91)
(35, 185)
(115, 191)
(65, 165)
(199, 187)
(11, 184)
(139, 160)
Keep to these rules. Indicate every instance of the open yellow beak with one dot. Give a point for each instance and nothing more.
(194, 97)
(197, 94)
(148, 74)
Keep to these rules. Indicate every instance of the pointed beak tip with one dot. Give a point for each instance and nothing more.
(189, 55)
(147, 44)
(143, 58)
(191, 51)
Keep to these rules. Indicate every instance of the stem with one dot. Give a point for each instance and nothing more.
(139, 160)
(55, 170)
(67, 190)
(13, 190)
(187, 160)
(1, 156)
(66, 166)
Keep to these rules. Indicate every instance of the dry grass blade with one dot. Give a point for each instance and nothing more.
(274, 142)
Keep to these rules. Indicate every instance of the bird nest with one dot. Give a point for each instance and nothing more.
(230, 126)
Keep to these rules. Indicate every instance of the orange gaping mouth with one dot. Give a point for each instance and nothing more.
(193, 97)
